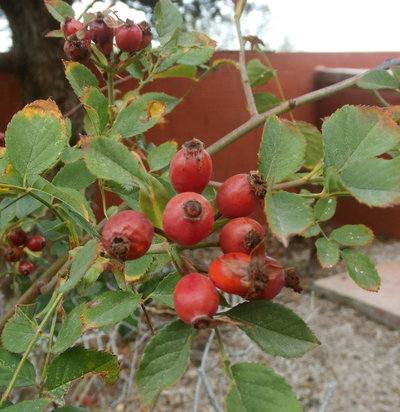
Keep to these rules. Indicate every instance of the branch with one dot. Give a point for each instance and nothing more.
(243, 71)
(291, 104)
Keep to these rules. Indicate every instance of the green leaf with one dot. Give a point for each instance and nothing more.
(361, 269)
(325, 208)
(153, 201)
(255, 387)
(281, 151)
(265, 101)
(93, 273)
(177, 71)
(327, 252)
(59, 9)
(108, 309)
(170, 101)
(135, 70)
(353, 235)
(161, 156)
(20, 329)
(79, 76)
(375, 182)
(274, 328)
(197, 56)
(288, 214)
(378, 79)
(71, 154)
(69, 197)
(36, 405)
(8, 365)
(314, 144)
(70, 331)
(74, 175)
(81, 262)
(332, 182)
(167, 20)
(96, 106)
(111, 160)
(135, 269)
(353, 134)
(165, 289)
(164, 360)
(258, 73)
(133, 120)
(71, 408)
(76, 362)
(35, 137)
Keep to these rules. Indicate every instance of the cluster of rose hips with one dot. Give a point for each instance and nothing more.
(188, 219)
(18, 240)
(129, 37)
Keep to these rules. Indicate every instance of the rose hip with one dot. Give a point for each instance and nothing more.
(191, 168)
(127, 235)
(188, 218)
(241, 234)
(195, 299)
(36, 243)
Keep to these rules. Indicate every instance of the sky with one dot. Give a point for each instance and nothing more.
(308, 25)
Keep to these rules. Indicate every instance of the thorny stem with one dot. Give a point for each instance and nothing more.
(243, 71)
(291, 104)
(32, 343)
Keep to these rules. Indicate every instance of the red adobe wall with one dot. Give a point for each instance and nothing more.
(217, 105)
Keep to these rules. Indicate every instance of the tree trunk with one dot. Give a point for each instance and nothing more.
(35, 59)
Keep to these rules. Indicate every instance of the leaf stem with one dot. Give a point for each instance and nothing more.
(32, 343)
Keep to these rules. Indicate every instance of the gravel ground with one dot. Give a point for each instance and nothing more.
(356, 368)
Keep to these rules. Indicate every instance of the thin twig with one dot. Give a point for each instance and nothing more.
(203, 378)
(327, 397)
(148, 321)
(291, 104)
(243, 71)
(380, 98)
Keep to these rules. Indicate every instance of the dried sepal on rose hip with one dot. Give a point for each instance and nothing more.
(128, 37)
(190, 168)
(241, 234)
(127, 235)
(239, 195)
(196, 299)
(252, 277)
(147, 35)
(188, 218)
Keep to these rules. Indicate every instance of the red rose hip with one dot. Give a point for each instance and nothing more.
(101, 34)
(25, 267)
(239, 195)
(227, 271)
(71, 26)
(18, 236)
(195, 299)
(36, 243)
(12, 253)
(127, 235)
(241, 234)
(128, 37)
(188, 218)
(191, 168)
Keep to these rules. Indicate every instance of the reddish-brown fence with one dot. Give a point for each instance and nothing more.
(217, 105)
